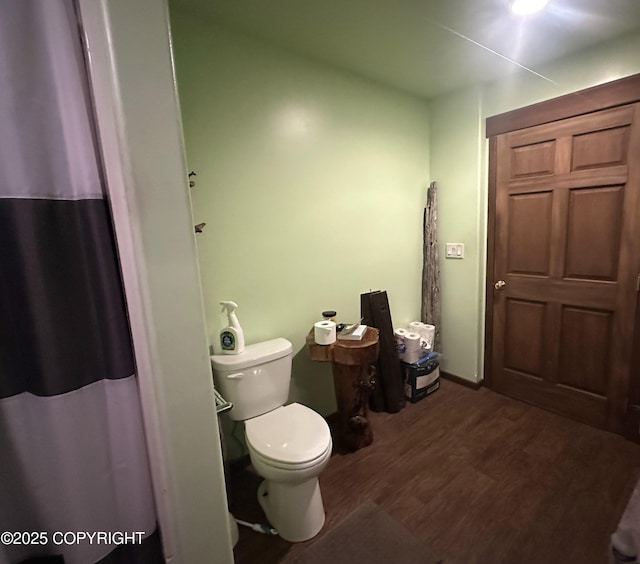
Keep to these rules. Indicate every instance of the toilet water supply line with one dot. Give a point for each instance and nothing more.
(264, 529)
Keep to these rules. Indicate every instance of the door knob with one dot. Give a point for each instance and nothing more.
(499, 284)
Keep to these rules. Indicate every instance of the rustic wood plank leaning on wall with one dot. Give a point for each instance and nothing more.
(431, 266)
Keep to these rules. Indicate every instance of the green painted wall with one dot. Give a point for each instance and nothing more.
(459, 164)
(455, 165)
(311, 182)
(292, 154)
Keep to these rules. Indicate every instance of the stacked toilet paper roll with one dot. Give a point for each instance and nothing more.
(408, 344)
(324, 332)
(413, 348)
(427, 333)
(414, 341)
(400, 335)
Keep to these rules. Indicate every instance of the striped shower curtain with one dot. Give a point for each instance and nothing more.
(74, 474)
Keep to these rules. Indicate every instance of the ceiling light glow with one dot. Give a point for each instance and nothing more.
(525, 7)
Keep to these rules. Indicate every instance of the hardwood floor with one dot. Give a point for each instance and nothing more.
(481, 477)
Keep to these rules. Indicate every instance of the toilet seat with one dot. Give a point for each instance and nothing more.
(258, 457)
(289, 437)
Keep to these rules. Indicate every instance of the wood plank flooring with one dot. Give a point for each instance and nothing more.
(481, 477)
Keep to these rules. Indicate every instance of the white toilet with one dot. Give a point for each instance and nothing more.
(289, 445)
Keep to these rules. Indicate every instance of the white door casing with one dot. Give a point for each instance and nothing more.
(140, 134)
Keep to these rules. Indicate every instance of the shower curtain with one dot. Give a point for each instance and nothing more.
(74, 474)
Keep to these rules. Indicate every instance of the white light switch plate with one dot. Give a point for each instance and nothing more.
(455, 250)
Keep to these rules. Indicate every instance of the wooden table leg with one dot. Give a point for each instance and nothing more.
(353, 364)
(353, 384)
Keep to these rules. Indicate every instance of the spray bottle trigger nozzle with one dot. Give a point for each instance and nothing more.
(228, 306)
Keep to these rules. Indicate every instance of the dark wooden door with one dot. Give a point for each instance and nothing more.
(566, 260)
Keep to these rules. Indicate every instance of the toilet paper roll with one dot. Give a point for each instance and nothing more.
(413, 348)
(324, 332)
(400, 334)
(412, 340)
(426, 332)
(429, 336)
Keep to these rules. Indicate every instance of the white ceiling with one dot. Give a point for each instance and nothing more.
(426, 47)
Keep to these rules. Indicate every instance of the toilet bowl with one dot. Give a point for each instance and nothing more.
(289, 447)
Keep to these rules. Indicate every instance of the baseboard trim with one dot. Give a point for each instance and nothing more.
(462, 381)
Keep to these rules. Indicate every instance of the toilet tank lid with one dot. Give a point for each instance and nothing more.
(257, 353)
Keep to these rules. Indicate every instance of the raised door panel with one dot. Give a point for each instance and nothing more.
(524, 341)
(593, 233)
(529, 233)
(598, 149)
(533, 159)
(585, 338)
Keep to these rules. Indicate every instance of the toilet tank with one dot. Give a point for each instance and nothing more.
(256, 380)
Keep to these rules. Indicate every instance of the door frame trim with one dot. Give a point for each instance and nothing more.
(490, 274)
(604, 96)
(631, 430)
(140, 136)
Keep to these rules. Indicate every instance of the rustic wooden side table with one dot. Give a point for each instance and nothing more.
(353, 366)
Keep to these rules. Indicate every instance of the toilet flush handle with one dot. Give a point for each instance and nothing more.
(235, 376)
